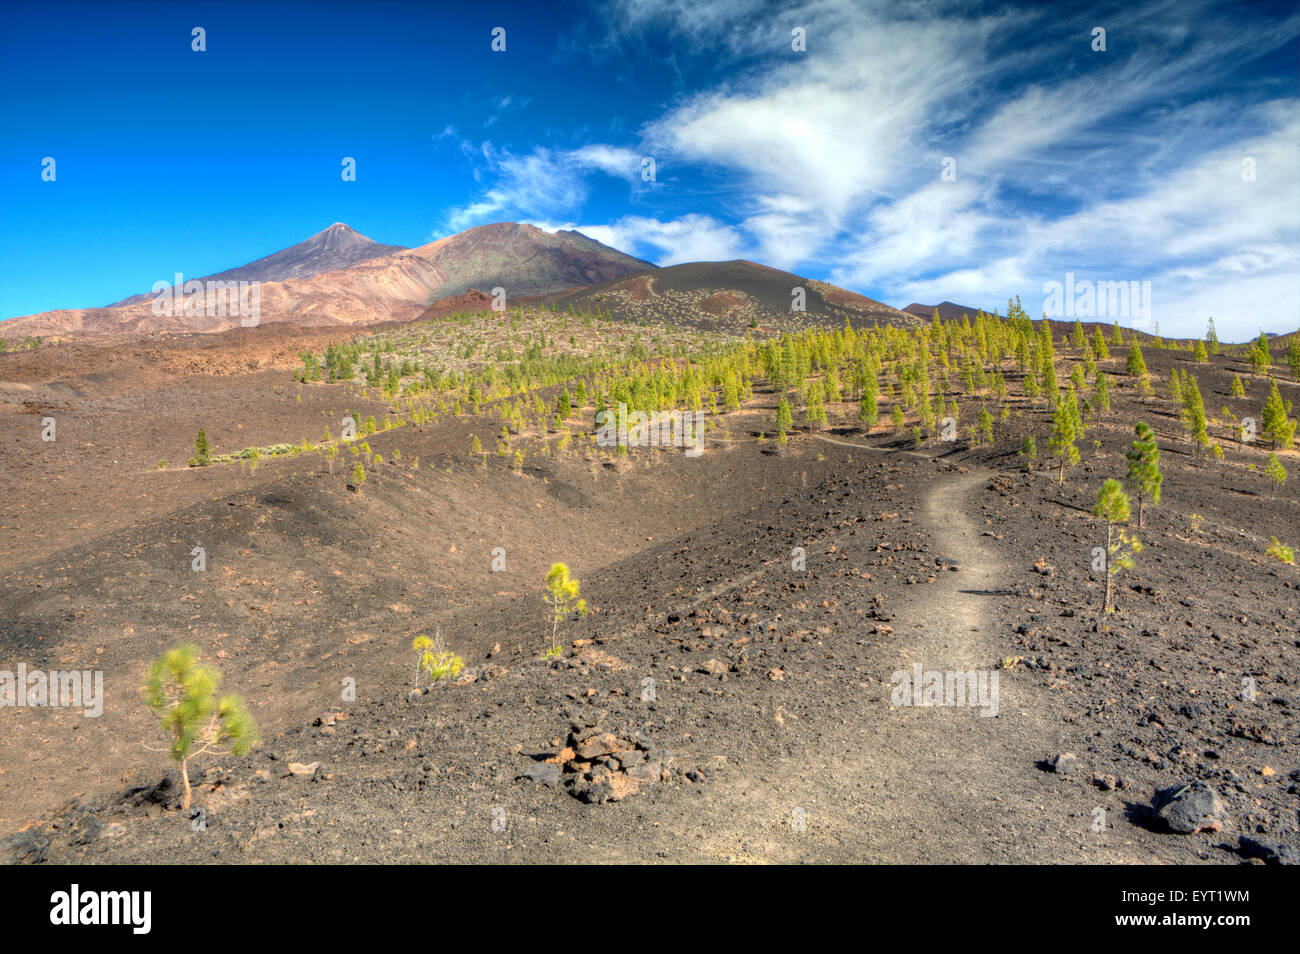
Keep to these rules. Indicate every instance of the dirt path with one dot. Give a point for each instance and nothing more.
(935, 784)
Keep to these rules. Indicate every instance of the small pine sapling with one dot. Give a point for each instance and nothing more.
(563, 599)
(182, 692)
(1275, 472)
(1144, 477)
(1061, 443)
(202, 450)
(1113, 507)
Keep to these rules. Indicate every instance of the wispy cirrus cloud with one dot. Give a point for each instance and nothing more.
(1125, 164)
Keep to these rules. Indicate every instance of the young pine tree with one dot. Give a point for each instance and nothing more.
(1029, 452)
(1144, 477)
(1275, 473)
(1061, 443)
(1276, 426)
(1101, 392)
(1099, 345)
(202, 450)
(868, 412)
(1136, 366)
(182, 692)
(784, 420)
(563, 600)
(1194, 414)
(984, 428)
(1113, 507)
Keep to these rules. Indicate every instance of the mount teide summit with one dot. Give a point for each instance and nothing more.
(340, 277)
(338, 246)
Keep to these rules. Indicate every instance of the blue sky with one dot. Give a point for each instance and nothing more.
(1117, 165)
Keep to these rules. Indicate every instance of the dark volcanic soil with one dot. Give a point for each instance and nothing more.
(719, 703)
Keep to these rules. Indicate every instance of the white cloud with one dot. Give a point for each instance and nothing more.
(828, 162)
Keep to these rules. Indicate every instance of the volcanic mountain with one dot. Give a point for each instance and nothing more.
(338, 246)
(334, 279)
(948, 311)
(730, 296)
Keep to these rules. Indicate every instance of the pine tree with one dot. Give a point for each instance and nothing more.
(1137, 365)
(1077, 335)
(1175, 386)
(1194, 413)
(868, 412)
(984, 428)
(1029, 451)
(563, 599)
(1211, 338)
(202, 450)
(1293, 355)
(1238, 388)
(1199, 354)
(1061, 443)
(814, 414)
(1099, 348)
(1276, 425)
(784, 420)
(1113, 507)
(1101, 392)
(1275, 472)
(182, 692)
(1144, 477)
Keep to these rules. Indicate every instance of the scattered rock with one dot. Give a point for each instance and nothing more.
(24, 848)
(1193, 808)
(1064, 763)
(543, 773)
(1107, 783)
(304, 769)
(1271, 852)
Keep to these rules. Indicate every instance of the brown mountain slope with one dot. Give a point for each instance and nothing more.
(729, 296)
(338, 246)
(948, 311)
(396, 287)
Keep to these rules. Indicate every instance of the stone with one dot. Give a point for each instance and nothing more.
(24, 848)
(543, 773)
(303, 769)
(1271, 852)
(1107, 783)
(651, 770)
(602, 743)
(1064, 764)
(1193, 808)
